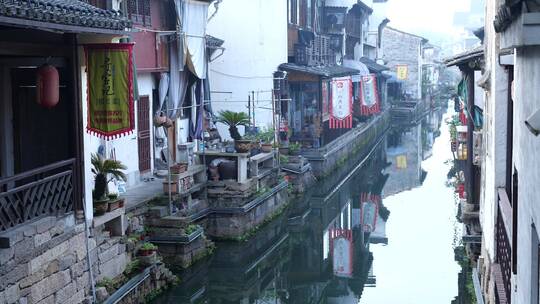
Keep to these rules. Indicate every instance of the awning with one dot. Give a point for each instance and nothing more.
(465, 57)
(354, 64)
(323, 71)
(373, 66)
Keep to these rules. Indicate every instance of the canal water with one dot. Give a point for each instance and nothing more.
(382, 230)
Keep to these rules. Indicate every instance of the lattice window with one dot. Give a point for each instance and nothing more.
(139, 11)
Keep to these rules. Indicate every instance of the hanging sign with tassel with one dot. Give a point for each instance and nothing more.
(110, 89)
(341, 103)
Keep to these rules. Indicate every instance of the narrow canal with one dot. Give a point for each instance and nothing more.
(382, 230)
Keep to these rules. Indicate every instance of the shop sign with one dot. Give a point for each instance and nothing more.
(110, 89)
(341, 103)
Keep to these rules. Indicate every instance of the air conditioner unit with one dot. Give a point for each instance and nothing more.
(334, 18)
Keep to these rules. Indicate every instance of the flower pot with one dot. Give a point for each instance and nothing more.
(100, 207)
(242, 145)
(173, 188)
(266, 148)
(146, 252)
(115, 204)
(148, 260)
(284, 150)
(179, 168)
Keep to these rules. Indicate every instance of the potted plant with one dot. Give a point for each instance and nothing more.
(114, 202)
(102, 168)
(294, 148)
(147, 249)
(233, 120)
(147, 253)
(267, 137)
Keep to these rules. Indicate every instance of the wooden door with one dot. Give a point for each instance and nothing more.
(143, 126)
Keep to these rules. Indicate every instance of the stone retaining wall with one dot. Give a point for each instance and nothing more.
(47, 262)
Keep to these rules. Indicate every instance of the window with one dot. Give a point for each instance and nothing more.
(139, 11)
(293, 11)
(309, 13)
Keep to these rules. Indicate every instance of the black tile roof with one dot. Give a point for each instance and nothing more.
(71, 15)
(465, 57)
(325, 71)
(373, 66)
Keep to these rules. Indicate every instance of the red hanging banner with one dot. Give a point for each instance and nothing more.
(342, 251)
(109, 70)
(369, 98)
(341, 103)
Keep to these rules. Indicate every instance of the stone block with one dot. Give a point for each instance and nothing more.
(78, 244)
(66, 293)
(48, 300)
(101, 294)
(49, 285)
(18, 273)
(12, 294)
(23, 300)
(67, 261)
(45, 224)
(32, 279)
(83, 282)
(53, 267)
(42, 238)
(9, 239)
(77, 298)
(29, 230)
(108, 254)
(6, 255)
(48, 256)
(79, 268)
(24, 248)
(113, 267)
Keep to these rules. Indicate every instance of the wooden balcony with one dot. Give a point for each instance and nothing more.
(31, 195)
(502, 270)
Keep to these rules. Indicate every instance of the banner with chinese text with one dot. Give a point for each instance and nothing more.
(341, 248)
(369, 211)
(341, 103)
(402, 71)
(110, 89)
(325, 103)
(369, 99)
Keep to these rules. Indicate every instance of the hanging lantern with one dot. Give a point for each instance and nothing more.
(48, 86)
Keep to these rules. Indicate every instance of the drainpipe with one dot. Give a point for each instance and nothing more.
(380, 28)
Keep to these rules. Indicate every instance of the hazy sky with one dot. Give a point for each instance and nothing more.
(429, 18)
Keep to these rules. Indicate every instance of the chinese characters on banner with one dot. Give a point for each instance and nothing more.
(341, 248)
(110, 89)
(369, 211)
(341, 103)
(369, 99)
(402, 71)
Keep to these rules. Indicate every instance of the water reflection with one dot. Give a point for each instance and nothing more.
(320, 251)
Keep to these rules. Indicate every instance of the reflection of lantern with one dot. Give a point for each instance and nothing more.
(48, 86)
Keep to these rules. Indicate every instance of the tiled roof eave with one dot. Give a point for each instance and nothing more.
(9, 21)
(62, 15)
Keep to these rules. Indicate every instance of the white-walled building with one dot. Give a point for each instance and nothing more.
(255, 35)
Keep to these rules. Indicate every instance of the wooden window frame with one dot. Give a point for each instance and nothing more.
(140, 13)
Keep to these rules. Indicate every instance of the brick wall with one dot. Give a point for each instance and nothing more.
(402, 48)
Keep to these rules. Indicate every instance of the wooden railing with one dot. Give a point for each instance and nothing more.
(503, 237)
(46, 191)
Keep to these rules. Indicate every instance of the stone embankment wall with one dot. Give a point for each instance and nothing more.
(47, 262)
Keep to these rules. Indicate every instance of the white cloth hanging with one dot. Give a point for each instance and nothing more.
(177, 84)
(163, 88)
(194, 18)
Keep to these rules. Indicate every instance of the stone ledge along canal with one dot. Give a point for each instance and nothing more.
(382, 230)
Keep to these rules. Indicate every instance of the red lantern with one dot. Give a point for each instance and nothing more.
(48, 86)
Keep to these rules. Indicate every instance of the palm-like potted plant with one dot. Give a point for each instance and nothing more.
(267, 137)
(102, 168)
(233, 120)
